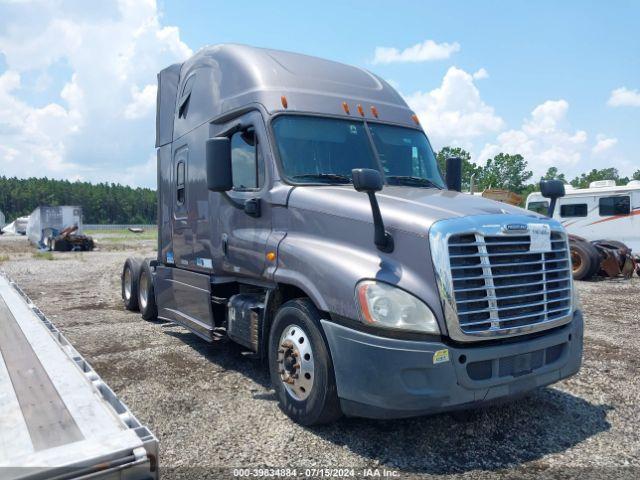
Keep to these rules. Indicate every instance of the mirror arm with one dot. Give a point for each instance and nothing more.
(552, 207)
(382, 238)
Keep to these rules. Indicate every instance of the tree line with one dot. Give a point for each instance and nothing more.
(509, 172)
(106, 203)
(102, 203)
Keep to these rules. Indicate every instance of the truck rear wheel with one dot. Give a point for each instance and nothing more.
(300, 365)
(582, 260)
(146, 293)
(129, 282)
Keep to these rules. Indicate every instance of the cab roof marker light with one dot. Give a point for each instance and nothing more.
(415, 119)
(374, 111)
(345, 107)
(283, 99)
(360, 110)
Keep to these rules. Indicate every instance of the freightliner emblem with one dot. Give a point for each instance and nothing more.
(515, 227)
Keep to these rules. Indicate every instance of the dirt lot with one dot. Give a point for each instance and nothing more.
(213, 408)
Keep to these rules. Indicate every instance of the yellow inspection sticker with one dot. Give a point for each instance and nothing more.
(441, 356)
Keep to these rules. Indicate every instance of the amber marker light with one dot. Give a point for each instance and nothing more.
(345, 107)
(374, 111)
(360, 110)
(283, 99)
(271, 256)
(364, 305)
(414, 117)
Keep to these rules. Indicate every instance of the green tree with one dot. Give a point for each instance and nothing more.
(505, 171)
(594, 175)
(101, 203)
(552, 174)
(469, 168)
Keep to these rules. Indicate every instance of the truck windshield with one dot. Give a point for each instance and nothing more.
(325, 150)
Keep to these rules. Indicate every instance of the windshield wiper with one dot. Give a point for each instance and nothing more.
(331, 177)
(412, 181)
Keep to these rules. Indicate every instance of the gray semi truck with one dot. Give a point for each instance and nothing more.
(302, 214)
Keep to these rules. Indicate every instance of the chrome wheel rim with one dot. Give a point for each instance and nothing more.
(143, 291)
(296, 362)
(127, 283)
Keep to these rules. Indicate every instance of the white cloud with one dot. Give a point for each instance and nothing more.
(420, 52)
(480, 74)
(544, 140)
(603, 144)
(623, 97)
(143, 101)
(101, 124)
(454, 113)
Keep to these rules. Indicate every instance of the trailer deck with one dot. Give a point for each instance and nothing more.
(58, 419)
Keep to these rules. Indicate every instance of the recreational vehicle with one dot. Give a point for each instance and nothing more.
(604, 210)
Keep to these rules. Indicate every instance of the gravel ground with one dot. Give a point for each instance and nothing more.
(213, 409)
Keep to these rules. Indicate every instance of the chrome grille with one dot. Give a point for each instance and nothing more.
(498, 285)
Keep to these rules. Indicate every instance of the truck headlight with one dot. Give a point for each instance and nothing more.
(383, 305)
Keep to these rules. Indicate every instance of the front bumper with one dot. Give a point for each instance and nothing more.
(380, 377)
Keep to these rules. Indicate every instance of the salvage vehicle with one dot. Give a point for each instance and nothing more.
(58, 229)
(301, 214)
(603, 226)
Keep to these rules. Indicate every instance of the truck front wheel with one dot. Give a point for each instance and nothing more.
(300, 365)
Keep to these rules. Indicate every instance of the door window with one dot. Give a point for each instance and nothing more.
(247, 165)
(609, 206)
(180, 182)
(573, 210)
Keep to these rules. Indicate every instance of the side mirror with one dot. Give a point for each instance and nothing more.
(366, 180)
(370, 181)
(218, 159)
(552, 189)
(454, 173)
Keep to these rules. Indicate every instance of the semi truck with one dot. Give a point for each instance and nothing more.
(302, 215)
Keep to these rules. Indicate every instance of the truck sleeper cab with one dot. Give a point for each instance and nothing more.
(301, 214)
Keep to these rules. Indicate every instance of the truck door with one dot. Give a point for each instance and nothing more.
(245, 216)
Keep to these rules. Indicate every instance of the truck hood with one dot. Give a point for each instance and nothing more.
(405, 208)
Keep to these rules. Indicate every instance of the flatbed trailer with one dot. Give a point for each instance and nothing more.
(58, 419)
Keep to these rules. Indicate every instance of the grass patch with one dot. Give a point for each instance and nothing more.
(122, 235)
(4, 258)
(44, 255)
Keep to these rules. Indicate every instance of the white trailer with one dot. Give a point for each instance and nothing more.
(46, 220)
(603, 210)
(58, 419)
(18, 226)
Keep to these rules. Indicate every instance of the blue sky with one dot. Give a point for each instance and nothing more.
(558, 82)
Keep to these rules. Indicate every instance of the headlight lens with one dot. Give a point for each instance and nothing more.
(386, 306)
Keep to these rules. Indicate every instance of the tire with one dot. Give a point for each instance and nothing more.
(146, 293)
(582, 260)
(596, 259)
(129, 283)
(307, 393)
